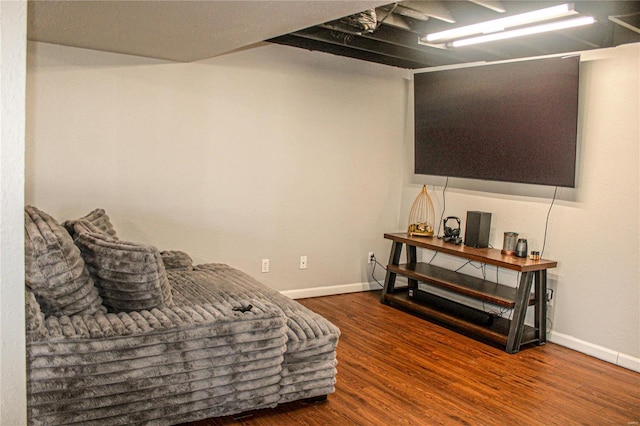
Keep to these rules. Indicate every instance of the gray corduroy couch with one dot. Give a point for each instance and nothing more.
(121, 333)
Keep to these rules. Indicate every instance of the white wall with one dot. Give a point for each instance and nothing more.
(276, 152)
(271, 152)
(13, 34)
(594, 229)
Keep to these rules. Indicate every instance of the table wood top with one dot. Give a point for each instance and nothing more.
(490, 256)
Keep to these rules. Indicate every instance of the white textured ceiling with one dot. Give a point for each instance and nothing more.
(182, 30)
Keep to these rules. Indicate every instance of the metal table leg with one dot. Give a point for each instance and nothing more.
(517, 322)
(412, 257)
(540, 279)
(390, 277)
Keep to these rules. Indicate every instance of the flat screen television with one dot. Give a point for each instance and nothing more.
(512, 122)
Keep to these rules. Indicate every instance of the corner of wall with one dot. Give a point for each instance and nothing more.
(13, 37)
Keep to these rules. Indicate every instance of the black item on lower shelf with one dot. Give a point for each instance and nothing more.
(465, 312)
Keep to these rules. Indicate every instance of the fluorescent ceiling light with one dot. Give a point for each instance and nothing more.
(503, 23)
(543, 28)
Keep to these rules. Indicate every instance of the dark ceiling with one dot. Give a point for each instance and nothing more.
(389, 35)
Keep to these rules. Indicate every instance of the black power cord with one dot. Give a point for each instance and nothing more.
(373, 271)
(444, 205)
(546, 226)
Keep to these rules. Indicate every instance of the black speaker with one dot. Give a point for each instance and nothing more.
(476, 233)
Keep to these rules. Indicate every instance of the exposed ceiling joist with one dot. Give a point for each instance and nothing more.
(496, 6)
(629, 21)
(434, 9)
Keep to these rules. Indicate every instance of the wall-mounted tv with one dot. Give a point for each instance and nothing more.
(512, 121)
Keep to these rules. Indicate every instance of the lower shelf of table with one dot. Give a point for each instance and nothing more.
(457, 316)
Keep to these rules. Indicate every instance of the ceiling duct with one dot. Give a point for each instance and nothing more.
(363, 22)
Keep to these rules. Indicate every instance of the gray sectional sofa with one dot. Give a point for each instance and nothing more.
(121, 333)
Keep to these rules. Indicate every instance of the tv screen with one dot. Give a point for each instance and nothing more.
(513, 122)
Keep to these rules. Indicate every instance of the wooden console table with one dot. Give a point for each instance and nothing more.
(510, 333)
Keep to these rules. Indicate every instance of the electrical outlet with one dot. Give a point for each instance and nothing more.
(371, 258)
(265, 265)
(303, 262)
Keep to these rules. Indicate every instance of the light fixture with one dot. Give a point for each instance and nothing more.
(536, 29)
(501, 24)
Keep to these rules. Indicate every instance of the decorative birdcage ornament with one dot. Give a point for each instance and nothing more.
(422, 216)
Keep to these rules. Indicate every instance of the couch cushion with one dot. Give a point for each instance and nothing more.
(129, 276)
(164, 366)
(54, 268)
(97, 218)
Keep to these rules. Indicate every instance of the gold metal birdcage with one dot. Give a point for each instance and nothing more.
(422, 216)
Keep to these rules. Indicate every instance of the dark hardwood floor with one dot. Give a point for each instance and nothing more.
(396, 369)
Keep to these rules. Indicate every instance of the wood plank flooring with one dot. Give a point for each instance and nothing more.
(396, 369)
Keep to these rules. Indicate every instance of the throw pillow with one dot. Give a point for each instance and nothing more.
(97, 218)
(54, 268)
(83, 226)
(129, 276)
(176, 260)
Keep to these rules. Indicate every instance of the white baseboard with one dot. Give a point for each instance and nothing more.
(330, 290)
(596, 351)
(630, 362)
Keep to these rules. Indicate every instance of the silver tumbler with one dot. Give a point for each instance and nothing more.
(509, 243)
